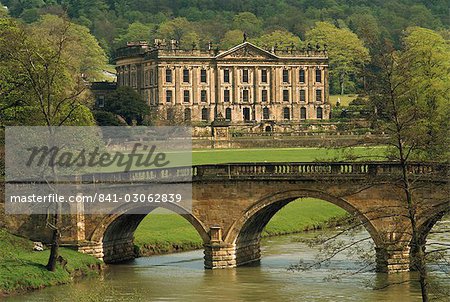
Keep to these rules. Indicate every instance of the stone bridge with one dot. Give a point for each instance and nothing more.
(232, 203)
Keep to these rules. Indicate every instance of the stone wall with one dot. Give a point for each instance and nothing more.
(289, 142)
(118, 250)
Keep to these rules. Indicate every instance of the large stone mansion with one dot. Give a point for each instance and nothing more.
(245, 85)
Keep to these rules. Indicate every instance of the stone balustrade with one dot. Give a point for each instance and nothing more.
(273, 170)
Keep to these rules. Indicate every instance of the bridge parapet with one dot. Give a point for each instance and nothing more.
(262, 170)
(314, 169)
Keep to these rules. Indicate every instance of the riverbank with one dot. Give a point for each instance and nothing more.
(162, 233)
(22, 269)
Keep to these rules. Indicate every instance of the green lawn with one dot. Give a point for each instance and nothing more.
(345, 99)
(23, 269)
(215, 156)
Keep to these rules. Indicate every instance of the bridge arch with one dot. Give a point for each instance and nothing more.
(245, 233)
(426, 225)
(116, 231)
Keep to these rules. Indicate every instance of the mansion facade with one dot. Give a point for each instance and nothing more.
(245, 85)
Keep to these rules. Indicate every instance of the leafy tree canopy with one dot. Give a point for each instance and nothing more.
(45, 64)
(280, 38)
(127, 103)
(346, 51)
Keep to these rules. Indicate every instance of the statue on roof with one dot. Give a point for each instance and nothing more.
(245, 37)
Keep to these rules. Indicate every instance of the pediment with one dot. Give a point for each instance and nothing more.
(246, 50)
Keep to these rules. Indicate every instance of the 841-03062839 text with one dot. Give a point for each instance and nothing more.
(101, 198)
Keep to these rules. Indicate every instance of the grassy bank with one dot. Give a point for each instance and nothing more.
(165, 233)
(22, 269)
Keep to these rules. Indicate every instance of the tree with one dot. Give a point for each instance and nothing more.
(346, 51)
(365, 25)
(248, 23)
(410, 89)
(135, 32)
(413, 88)
(47, 66)
(232, 38)
(127, 103)
(279, 38)
(178, 29)
(85, 52)
(105, 118)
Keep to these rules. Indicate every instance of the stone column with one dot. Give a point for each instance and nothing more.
(310, 79)
(217, 253)
(161, 97)
(177, 78)
(256, 98)
(272, 85)
(195, 85)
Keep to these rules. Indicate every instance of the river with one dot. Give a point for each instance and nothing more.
(181, 277)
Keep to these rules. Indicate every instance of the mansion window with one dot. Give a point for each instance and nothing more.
(226, 95)
(265, 113)
(319, 95)
(203, 97)
(302, 95)
(146, 78)
(186, 96)
(101, 101)
(245, 95)
(168, 75)
(187, 114)
(203, 75)
(151, 77)
(226, 76)
(246, 114)
(169, 96)
(318, 75)
(285, 95)
(286, 113)
(263, 76)
(302, 76)
(320, 113)
(285, 76)
(303, 113)
(186, 75)
(264, 95)
(205, 114)
(245, 76)
(228, 114)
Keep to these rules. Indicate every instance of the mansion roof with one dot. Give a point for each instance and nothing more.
(245, 50)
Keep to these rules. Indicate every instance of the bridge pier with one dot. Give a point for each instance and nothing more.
(118, 250)
(87, 247)
(392, 259)
(220, 255)
(248, 252)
